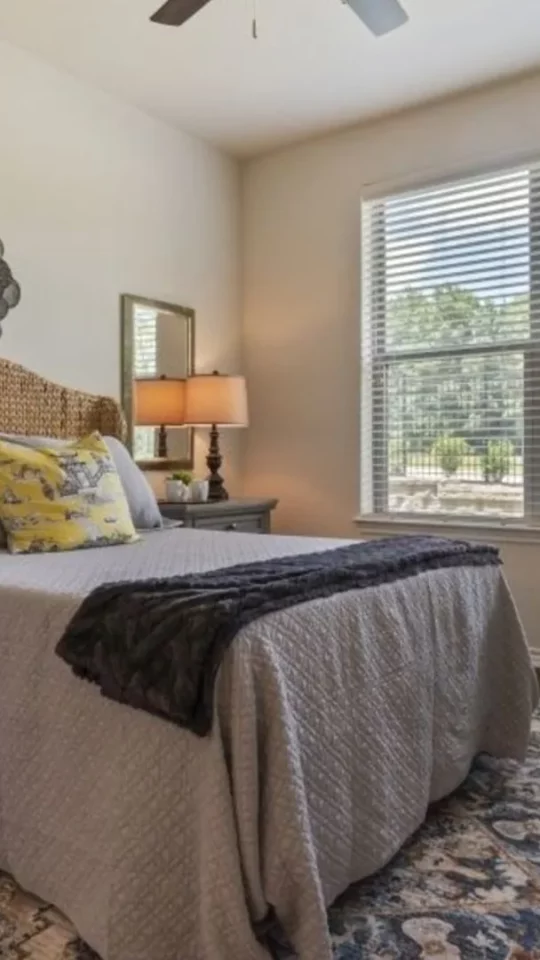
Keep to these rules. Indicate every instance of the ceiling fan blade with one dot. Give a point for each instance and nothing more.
(175, 12)
(380, 16)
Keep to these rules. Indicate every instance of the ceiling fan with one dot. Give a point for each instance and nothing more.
(379, 16)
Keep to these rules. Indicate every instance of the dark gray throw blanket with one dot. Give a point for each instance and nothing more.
(158, 644)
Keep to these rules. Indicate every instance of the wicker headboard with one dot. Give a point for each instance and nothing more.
(33, 406)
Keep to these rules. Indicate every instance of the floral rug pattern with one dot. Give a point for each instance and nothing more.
(465, 887)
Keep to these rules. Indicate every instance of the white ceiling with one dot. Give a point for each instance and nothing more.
(313, 68)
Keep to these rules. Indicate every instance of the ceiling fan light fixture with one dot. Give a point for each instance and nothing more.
(379, 16)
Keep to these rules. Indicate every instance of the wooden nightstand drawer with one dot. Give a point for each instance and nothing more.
(238, 523)
(241, 516)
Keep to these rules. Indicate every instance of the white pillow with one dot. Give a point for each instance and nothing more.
(141, 498)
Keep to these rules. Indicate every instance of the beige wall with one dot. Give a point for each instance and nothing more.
(301, 288)
(96, 199)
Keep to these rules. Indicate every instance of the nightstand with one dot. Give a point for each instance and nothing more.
(241, 515)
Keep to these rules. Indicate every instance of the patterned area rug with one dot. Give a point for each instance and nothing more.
(465, 887)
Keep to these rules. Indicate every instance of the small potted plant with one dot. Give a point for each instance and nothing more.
(177, 486)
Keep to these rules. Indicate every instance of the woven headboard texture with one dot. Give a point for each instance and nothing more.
(33, 406)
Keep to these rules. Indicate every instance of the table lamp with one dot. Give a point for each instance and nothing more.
(212, 400)
(159, 402)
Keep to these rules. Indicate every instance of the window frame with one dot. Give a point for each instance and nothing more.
(374, 489)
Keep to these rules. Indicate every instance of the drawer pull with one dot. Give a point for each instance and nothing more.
(231, 526)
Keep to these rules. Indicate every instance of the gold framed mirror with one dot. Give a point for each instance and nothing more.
(158, 351)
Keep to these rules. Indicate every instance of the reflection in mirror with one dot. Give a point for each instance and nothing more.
(157, 344)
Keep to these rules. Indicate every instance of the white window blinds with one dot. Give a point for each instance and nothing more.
(145, 342)
(145, 363)
(451, 349)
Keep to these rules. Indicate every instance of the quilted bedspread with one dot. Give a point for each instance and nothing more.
(336, 723)
(158, 644)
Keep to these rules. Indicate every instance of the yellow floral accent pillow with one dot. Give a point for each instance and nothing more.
(62, 499)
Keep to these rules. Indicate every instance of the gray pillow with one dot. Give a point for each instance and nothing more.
(141, 498)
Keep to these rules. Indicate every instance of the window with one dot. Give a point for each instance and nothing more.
(144, 365)
(451, 350)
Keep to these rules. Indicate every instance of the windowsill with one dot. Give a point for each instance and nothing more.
(493, 530)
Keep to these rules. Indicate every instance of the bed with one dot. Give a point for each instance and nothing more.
(336, 723)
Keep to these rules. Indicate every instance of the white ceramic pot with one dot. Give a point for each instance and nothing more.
(176, 491)
(198, 490)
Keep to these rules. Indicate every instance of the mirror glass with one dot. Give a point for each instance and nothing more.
(157, 342)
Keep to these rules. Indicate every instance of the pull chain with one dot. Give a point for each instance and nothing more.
(254, 33)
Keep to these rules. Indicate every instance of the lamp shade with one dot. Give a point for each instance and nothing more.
(216, 398)
(159, 401)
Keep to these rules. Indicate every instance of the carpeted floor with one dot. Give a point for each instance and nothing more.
(465, 887)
